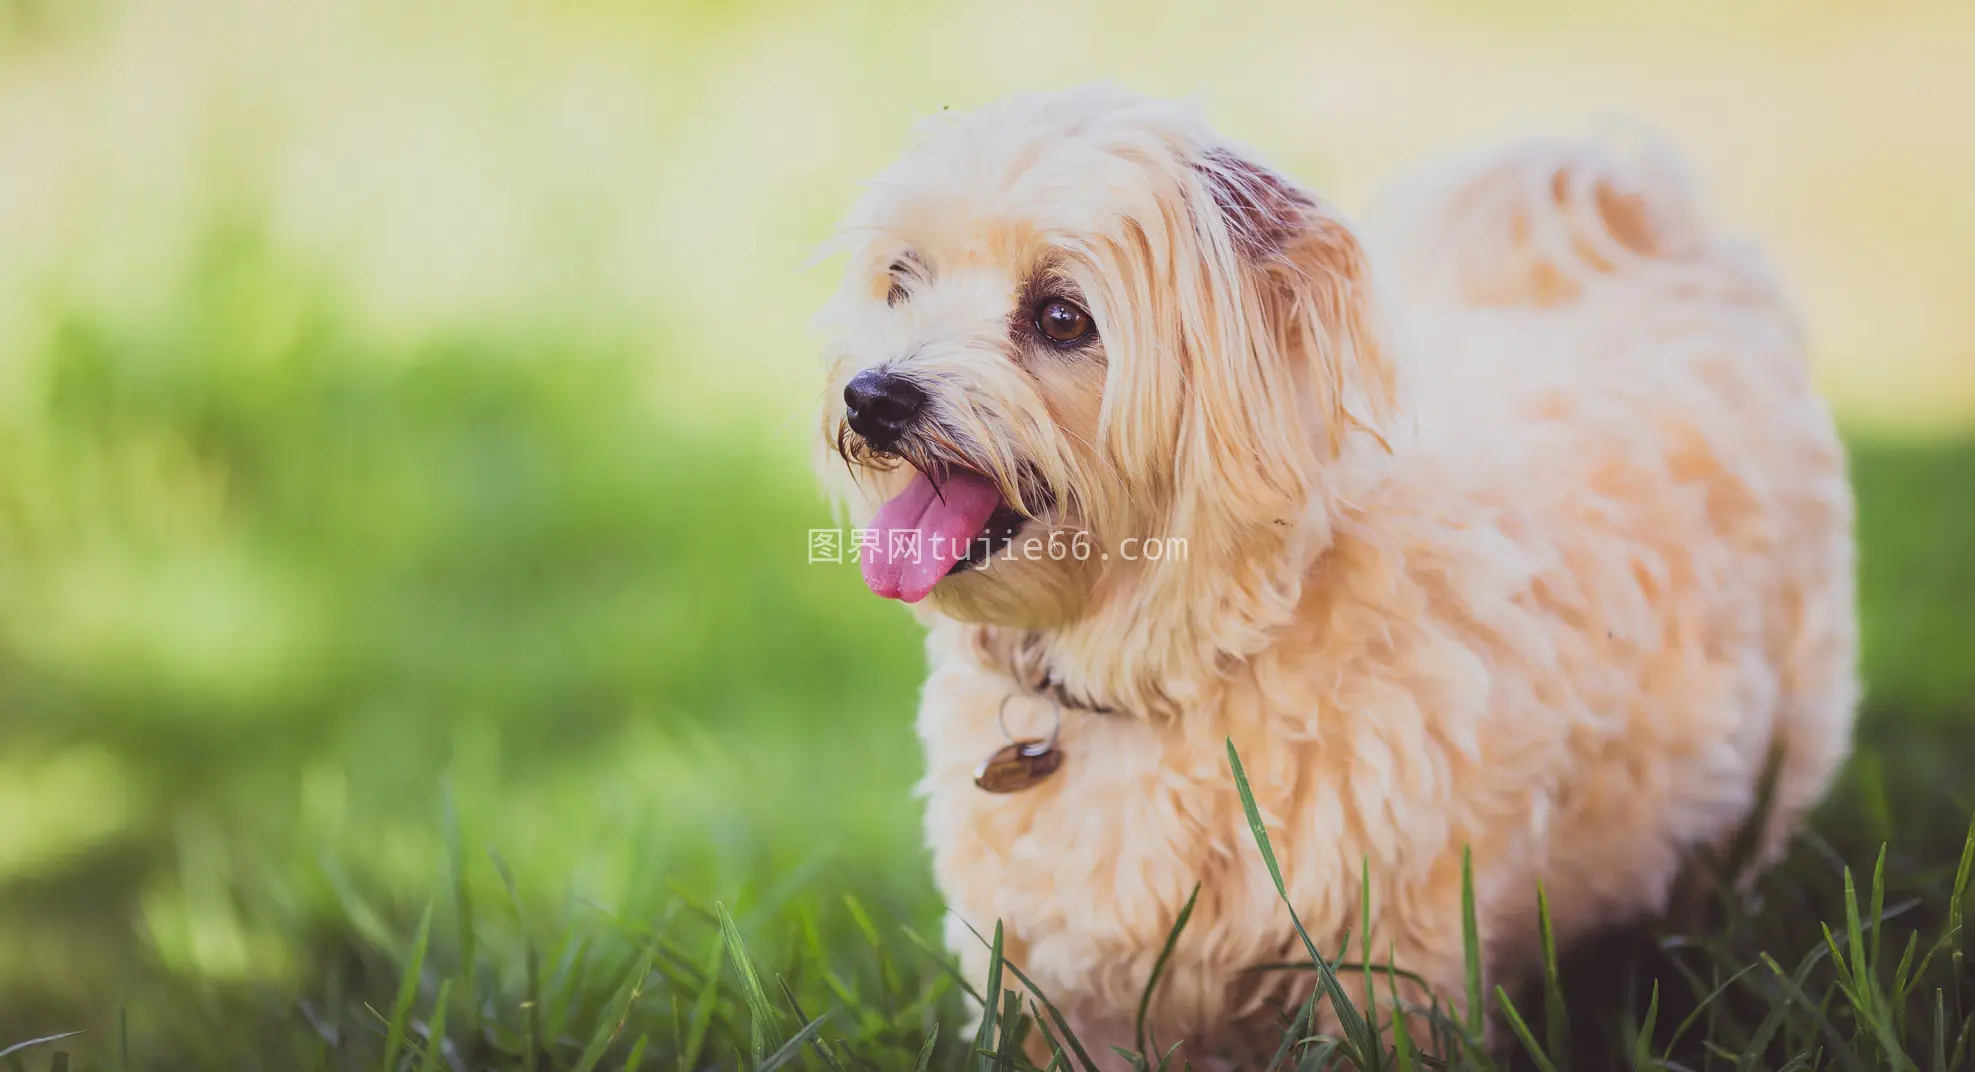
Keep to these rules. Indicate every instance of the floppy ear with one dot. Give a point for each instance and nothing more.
(1283, 365)
(1283, 359)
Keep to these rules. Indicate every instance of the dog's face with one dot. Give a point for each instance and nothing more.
(1086, 355)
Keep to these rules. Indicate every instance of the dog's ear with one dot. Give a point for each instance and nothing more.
(1282, 369)
(1295, 278)
(1284, 360)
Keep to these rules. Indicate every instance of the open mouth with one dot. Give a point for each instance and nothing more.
(936, 527)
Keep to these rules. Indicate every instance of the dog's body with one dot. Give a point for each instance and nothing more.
(1517, 529)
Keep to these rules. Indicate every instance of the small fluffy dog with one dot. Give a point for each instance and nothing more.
(1514, 525)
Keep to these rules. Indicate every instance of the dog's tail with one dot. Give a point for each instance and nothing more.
(1540, 222)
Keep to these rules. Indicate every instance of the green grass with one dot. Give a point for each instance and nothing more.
(676, 985)
(356, 692)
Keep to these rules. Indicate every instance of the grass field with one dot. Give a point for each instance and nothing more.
(403, 501)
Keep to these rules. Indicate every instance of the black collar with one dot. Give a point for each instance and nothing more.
(1053, 688)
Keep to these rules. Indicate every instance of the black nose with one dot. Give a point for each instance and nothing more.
(881, 406)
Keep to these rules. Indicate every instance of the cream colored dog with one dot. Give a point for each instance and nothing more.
(1514, 526)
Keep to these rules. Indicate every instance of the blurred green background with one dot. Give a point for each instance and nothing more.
(404, 418)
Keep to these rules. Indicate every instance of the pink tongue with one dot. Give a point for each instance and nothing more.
(924, 530)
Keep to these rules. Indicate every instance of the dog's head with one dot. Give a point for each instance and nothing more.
(1099, 361)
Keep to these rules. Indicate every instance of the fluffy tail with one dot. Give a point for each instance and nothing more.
(1538, 222)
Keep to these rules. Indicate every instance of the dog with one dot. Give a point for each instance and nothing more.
(1508, 523)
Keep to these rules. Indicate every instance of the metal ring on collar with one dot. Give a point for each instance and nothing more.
(1055, 727)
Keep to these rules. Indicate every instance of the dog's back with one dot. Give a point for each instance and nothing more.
(1576, 323)
(1538, 222)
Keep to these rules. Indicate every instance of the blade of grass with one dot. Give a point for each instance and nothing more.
(1794, 991)
(1903, 972)
(563, 989)
(1642, 1047)
(887, 971)
(990, 1008)
(1878, 911)
(791, 1049)
(1707, 1001)
(1403, 1056)
(1855, 934)
(1960, 1043)
(44, 1040)
(1919, 973)
(926, 1050)
(1365, 951)
(394, 1036)
(1952, 932)
(761, 1015)
(435, 1031)
(531, 1001)
(1957, 896)
(1556, 1025)
(1361, 1038)
(944, 963)
(1293, 1032)
(822, 1048)
(617, 1011)
(702, 1014)
(1754, 1048)
(1522, 1031)
(1057, 1057)
(1013, 1027)
(1940, 1031)
(462, 895)
(1055, 1014)
(1841, 967)
(1318, 1054)
(1159, 966)
(1471, 947)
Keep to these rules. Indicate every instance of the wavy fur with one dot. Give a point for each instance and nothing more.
(1514, 524)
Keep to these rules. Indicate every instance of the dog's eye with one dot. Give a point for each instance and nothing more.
(1063, 321)
(899, 271)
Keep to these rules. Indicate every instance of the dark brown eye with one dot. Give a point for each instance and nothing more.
(1062, 321)
(899, 271)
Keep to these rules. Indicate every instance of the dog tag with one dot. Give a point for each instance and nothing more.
(1018, 766)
